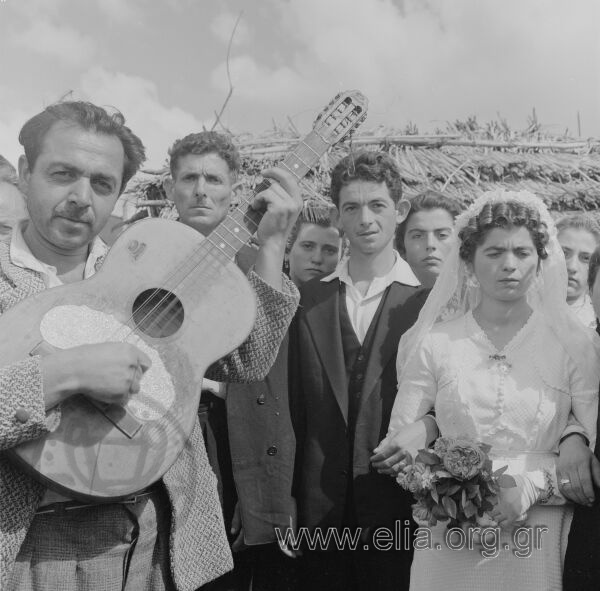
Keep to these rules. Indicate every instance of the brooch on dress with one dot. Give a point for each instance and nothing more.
(503, 365)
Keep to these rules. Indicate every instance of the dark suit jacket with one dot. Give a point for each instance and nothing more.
(262, 446)
(582, 561)
(319, 400)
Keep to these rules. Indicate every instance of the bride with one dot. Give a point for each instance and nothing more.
(500, 358)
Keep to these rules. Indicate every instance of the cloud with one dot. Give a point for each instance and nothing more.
(222, 27)
(67, 45)
(426, 61)
(137, 98)
(121, 11)
(257, 82)
(38, 9)
(11, 121)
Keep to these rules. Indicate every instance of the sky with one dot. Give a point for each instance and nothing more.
(163, 63)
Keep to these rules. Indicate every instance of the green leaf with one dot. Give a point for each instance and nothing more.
(435, 495)
(428, 458)
(500, 471)
(454, 489)
(473, 490)
(450, 506)
(439, 513)
(470, 509)
(506, 481)
(442, 487)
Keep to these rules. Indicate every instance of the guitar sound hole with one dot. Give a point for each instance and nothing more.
(158, 313)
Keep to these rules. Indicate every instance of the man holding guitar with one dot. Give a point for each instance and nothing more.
(204, 169)
(77, 161)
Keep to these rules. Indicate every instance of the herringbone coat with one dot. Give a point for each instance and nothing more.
(198, 546)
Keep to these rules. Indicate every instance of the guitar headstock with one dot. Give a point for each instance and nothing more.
(344, 113)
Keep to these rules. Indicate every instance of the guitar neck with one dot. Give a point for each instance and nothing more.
(241, 224)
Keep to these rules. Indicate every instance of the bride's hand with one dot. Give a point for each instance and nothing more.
(389, 456)
(514, 502)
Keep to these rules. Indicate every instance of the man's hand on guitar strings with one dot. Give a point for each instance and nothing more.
(107, 372)
(283, 202)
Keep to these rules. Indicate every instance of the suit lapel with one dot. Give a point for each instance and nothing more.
(392, 324)
(323, 319)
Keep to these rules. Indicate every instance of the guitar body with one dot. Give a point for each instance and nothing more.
(177, 296)
(105, 453)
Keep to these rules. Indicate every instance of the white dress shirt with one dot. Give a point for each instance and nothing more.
(361, 309)
(21, 256)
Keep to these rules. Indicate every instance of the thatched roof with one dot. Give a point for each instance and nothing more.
(462, 161)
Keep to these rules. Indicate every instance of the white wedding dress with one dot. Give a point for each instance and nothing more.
(521, 401)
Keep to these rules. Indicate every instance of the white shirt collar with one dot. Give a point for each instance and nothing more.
(400, 272)
(21, 256)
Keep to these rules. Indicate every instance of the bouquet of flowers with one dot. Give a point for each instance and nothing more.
(454, 481)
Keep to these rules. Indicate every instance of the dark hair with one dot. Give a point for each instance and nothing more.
(205, 142)
(377, 167)
(503, 214)
(426, 201)
(593, 268)
(579, 221)
(319, 215)
(91, 118)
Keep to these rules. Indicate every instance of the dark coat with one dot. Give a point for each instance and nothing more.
(319, 399)
(582, 561)
(262, 447)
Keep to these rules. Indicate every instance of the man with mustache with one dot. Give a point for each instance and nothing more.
(343, 384)
(579, 235)
(247, 423)
(78, 159)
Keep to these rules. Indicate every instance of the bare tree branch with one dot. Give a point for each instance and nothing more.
(220, 113)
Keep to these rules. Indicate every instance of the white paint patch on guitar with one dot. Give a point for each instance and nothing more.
(70, 326)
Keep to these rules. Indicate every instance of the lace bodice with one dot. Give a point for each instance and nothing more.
(517, 399)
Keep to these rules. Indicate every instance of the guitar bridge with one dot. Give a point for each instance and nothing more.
(123, 420)
(119, 416)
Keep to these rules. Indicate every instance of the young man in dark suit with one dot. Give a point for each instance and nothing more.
(343, 384)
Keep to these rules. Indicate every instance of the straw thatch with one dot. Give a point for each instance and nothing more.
(462, 161)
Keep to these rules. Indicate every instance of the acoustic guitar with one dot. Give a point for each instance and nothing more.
(177, 296)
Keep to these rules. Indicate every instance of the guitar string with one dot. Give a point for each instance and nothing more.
(166, 310)
(237, 211)
(210, 254)
(302, 149)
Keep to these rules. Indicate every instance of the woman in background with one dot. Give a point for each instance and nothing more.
(425, 237)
